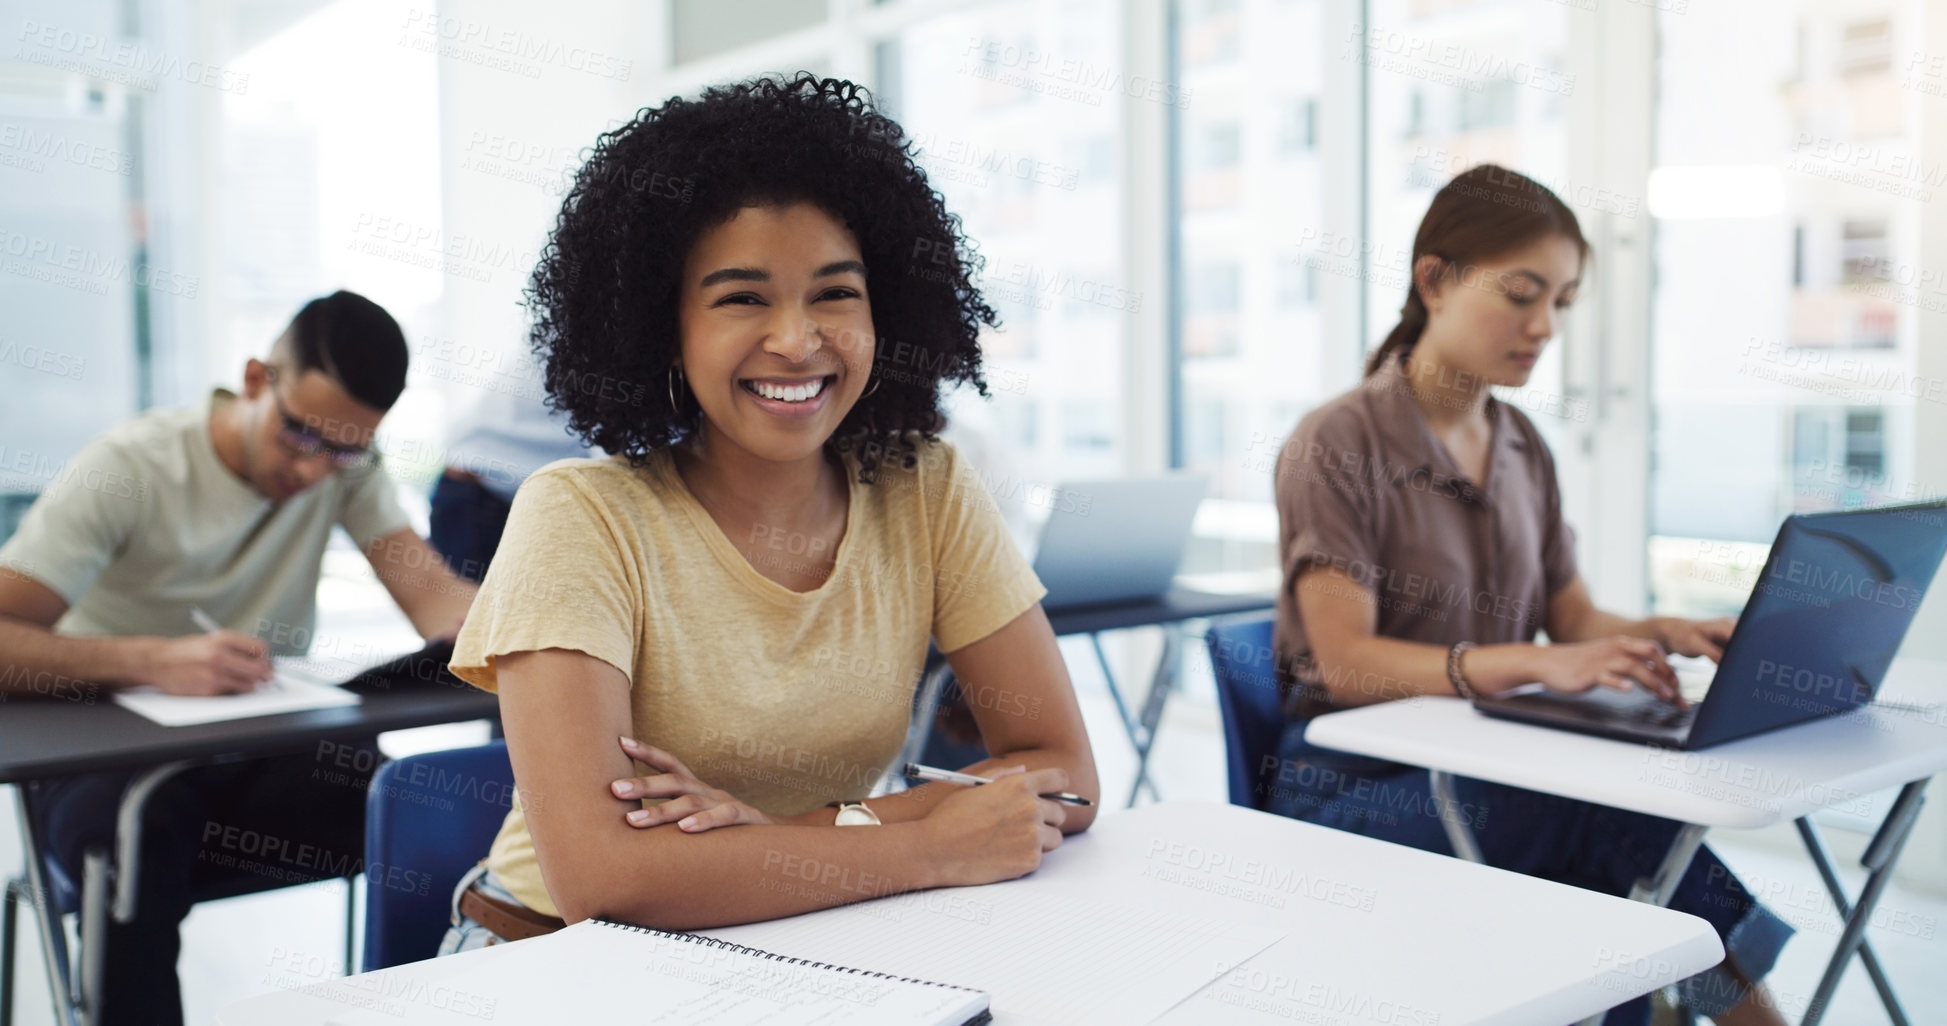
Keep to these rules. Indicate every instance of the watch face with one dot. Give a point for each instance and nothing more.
(856, 815)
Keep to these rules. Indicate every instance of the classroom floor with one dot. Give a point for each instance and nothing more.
(231, 946)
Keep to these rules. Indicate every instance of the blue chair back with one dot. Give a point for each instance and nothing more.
(1247, 693)
(428, 819)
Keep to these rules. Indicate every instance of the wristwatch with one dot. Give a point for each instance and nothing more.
(855, 814)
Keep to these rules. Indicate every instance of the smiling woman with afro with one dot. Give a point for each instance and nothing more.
(706, 645)
(606, 291)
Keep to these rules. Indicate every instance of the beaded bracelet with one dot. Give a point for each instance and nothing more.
(1461, 685)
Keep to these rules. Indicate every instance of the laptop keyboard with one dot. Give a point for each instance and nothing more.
(1635, 707)
(1659, 714)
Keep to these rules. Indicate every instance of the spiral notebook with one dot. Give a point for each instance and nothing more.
(599, 971)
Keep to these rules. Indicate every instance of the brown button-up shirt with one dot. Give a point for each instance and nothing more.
(1364, 487)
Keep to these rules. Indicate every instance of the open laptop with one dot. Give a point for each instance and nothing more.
(1834, 601)
(1118, 540)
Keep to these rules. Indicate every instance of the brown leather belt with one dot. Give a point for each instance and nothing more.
(507, 921)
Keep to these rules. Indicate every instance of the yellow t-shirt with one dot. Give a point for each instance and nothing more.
(788, 700)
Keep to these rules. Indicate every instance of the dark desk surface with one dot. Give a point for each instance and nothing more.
(1175, 604)
(54, 737)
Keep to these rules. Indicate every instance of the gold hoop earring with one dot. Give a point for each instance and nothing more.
(670, 384)
(868, 392)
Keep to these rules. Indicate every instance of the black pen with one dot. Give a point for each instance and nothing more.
(914, 769)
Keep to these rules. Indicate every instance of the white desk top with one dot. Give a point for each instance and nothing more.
(1374, 932)
(1830, 763)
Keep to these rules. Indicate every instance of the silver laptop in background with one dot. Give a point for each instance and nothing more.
(1116, 540)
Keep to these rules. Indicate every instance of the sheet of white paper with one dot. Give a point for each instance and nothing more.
(290, 690)
(341, 662)
(1046, 959)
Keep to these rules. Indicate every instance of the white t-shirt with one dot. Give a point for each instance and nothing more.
(146, 523)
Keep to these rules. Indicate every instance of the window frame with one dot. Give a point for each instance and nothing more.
(1610, 145)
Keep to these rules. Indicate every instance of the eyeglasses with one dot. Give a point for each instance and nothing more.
(295, 436)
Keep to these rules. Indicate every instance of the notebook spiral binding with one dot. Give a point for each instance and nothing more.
(772, 956)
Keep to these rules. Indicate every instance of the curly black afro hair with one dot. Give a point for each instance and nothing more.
(606, 292)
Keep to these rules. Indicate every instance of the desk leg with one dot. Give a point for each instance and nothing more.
(1656, 890)
(1880, 858)
(54, 946)
(1459, 834)
(351, 917)
(9, 922)
(1815, 846)
(1115, 693)
(1160, 685)
(926, 707)
(1130, 725)
(94, 921)
(99, 875)
(128, 834)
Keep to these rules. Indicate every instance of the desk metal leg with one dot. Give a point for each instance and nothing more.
(123, 874)
(1161, 683)
(1656, 890)
(128, 834)
(1130, 725)
(1142, 727)
(60, 975)
(9, 922)
(95, 881)
(1880, 858)
(1115, 693)
(1459, 833)
(351, 913)
(1815, 846)
(926, 706)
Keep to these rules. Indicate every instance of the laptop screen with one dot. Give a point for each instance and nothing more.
(1825, 619)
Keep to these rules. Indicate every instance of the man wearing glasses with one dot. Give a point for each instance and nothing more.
(220, 510)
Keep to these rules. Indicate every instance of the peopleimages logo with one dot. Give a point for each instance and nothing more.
(1084, 80)
(1822, 580)
(84, 269)
(34, 149)
(120, 60)
(506, 49)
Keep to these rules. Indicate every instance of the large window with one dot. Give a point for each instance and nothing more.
(74, 272)
(1016, 109)
(137, 268)
(1445, 86)
(1251, 343)
(1785, 334)
(309, 206)
(1452, 85)
(1299, 143)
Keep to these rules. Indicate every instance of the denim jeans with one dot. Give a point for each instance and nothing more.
(467, 521)
(290, 819)
(1560, 839)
